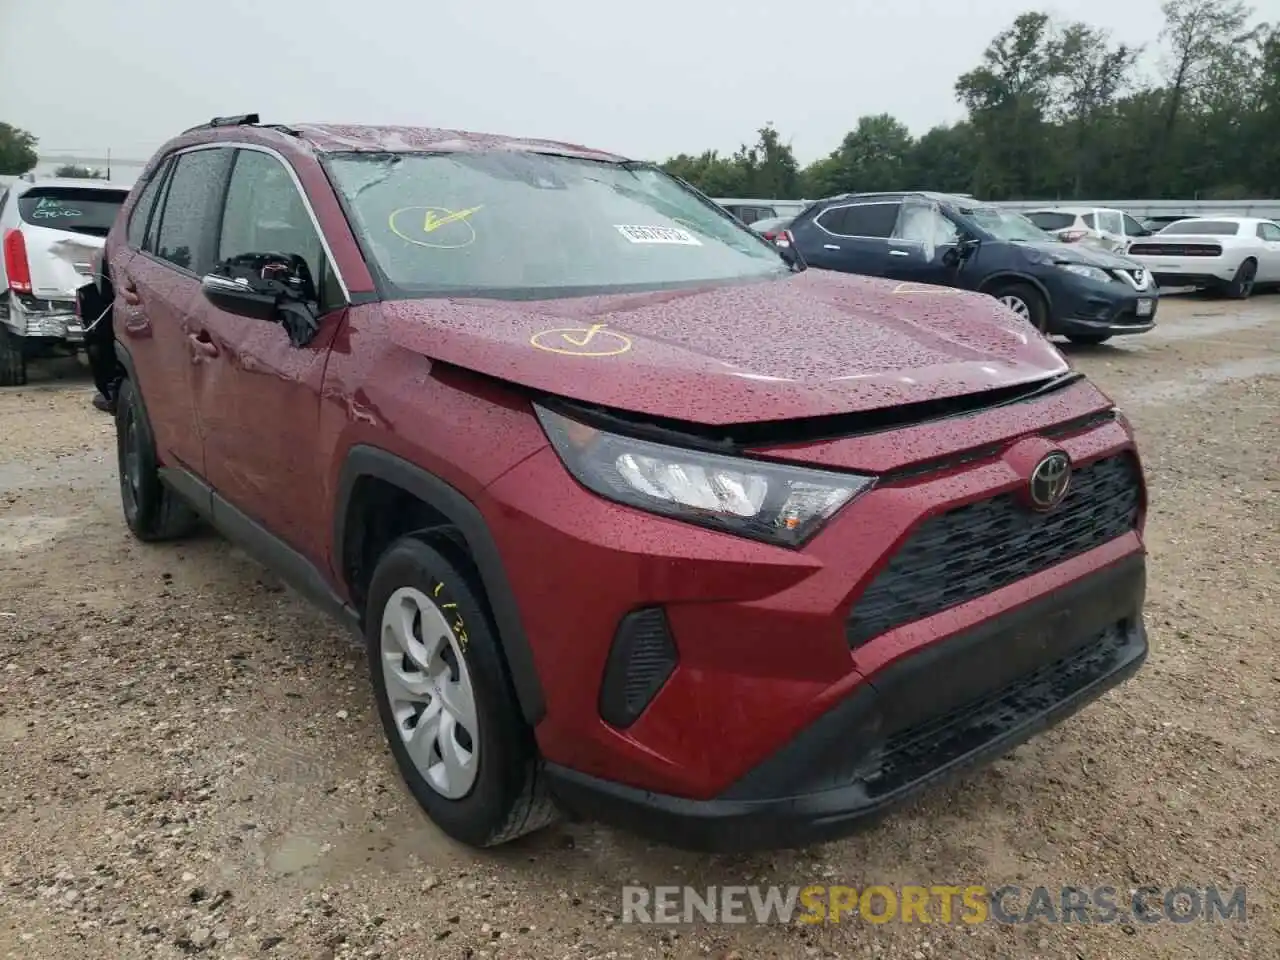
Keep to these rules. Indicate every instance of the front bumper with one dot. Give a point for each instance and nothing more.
(964, 701)
(1087, 308)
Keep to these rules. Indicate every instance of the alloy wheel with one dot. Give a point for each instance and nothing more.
(430, 692)
(1017, 305)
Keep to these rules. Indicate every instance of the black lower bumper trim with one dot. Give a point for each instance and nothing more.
(960, 703)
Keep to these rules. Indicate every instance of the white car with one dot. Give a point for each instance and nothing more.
(1233, 255)
(1104, 227)
(50, 232)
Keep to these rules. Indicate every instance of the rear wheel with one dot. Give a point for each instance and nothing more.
(13, 362)
(1024, 300)
(151, 510)
(1241, 285)
(1089, 339)
(447, 706)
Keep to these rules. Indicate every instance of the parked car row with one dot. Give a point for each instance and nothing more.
(1084, 293)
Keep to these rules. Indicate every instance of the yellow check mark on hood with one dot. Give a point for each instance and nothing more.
(433, 222)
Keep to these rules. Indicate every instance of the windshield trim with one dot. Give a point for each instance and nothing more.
(388, 290)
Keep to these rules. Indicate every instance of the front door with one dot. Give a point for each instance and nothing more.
(258, 393)
(923, 244)
(1269, 267)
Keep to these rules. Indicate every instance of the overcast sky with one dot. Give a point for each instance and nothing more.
(647, 79)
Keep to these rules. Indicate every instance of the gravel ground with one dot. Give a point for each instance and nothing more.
(190, 763)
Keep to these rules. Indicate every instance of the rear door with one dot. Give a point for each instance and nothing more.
(157, 290)
(852, 237)
(257, 393)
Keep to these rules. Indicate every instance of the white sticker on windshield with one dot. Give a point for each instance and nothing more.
(658, 235)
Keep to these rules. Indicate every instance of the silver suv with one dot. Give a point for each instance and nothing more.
(51, 230)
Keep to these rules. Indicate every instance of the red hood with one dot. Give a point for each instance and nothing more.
(814, 343)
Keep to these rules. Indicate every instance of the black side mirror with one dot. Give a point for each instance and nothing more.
(268, 287)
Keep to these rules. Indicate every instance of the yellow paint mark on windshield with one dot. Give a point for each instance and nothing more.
(432, 221)
(437, 227)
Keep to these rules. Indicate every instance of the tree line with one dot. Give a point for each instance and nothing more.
(1060, 110)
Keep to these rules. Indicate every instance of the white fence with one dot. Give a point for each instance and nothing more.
(1138, 208)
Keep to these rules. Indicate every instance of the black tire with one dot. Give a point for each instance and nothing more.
(508, 798)
(1241, 285)
(13, 362)
(1088, 339)
(1037, 308)
(152, 511)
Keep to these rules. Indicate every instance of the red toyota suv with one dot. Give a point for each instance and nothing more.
(639, 519)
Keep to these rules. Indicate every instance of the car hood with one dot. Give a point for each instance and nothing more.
(1080, 253)
(811, 344)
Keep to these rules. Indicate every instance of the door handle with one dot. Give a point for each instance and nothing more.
(830, 246)
(130, 293)
(899, 253)
(201, 346)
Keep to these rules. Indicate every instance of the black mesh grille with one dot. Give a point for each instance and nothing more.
(919, 750)
(975, 549)
(642, 658)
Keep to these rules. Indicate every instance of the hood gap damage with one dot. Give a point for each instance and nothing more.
(742, 437)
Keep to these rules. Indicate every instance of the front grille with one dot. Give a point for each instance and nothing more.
(1175, 250)
(918, 751)
(972, 550)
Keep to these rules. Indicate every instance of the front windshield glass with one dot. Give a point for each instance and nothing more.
(523, 226)
(1006, 225)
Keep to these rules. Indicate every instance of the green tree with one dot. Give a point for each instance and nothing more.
(1010, 97)
(1058, 110)
(17, 150)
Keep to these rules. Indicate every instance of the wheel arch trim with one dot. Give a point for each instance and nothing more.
(368, 461)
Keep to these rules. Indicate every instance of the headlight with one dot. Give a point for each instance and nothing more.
(1084, 270)
(752, 498)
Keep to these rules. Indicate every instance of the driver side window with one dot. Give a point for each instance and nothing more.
(924, 223)
(265, 214)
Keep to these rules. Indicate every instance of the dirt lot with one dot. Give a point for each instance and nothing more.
(190, 762)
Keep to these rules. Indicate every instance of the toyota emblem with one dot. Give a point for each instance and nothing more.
(1050, 480)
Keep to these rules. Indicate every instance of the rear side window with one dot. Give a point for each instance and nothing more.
(141, 212)
(1269, 231)
(1049, 220)
(1203, 228)
(1089, 221)
(74, 209)
(875, 220)
(188, 218)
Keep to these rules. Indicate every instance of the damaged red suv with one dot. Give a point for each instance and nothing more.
(639, 519)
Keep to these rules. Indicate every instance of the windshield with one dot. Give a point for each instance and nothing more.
(526, 226)
(1200, 228)
(75, 209)
(1005, 225)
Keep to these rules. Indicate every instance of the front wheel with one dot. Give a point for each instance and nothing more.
(1024, 300)
(447, 707)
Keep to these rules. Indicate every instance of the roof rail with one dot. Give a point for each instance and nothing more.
(241, 120)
